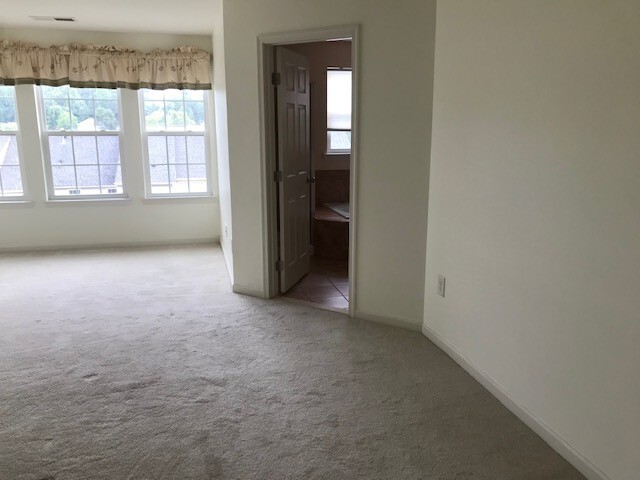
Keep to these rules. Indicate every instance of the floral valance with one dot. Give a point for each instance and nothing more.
(91, 66)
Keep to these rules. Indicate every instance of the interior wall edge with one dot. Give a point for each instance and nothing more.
(249, 291)
(228, 259)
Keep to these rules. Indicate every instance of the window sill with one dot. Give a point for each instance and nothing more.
(16, 203)
(86, 201)
(181, 199)
(337, 154)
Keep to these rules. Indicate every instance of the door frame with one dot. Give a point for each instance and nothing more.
(268, 159)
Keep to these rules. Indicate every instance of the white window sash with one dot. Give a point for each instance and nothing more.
(175, 133)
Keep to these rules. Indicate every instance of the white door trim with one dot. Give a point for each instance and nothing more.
(266, 44)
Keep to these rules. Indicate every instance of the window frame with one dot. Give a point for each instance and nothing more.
(175, 133)
(327, 150)
(21, 164)
(46, 134)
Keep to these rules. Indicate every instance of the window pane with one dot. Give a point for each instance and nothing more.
(198, 186)
(174, 110)
(194, 95)
(175, 159)
(111, 179)
(159, 179)
(152, 94)
(198, 178)
(173, 94)
(105, 93)
(57, 116)
(339, 99)
(64, 178)
(10, 174)
(88, 180)
(177, 149)
(81, 163)
(85, 150)
(8, 121)
(11, 181)
(81, 109)
(175, 116)
(339, 141)
(195, 147)
(179, 179)
(55, 92)
(109, 149)
(107, 115)
(154, 117)
(9, 150)
(187, 163)
(157, 149)
(194, 116)
(82, 115)
(60, 150)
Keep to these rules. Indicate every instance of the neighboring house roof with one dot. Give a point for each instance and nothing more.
(9, 165)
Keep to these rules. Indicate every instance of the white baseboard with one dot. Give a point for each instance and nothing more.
(555, 441)
(244, 290)
(97, 246)
(388, 320)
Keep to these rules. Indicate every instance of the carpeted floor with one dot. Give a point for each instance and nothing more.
(141, 364)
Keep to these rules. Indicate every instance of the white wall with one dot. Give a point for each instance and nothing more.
(534, 211)
(395, 112)
(43, 224)
(220, 100)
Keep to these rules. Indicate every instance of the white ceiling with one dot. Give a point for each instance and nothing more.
(192, 17)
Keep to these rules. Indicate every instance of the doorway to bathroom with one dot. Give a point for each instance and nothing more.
(309, 140)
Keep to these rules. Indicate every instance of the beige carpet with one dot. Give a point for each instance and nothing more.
(141, 364)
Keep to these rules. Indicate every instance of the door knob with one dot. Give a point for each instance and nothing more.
(311, 179)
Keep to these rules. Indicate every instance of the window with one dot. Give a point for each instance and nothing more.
(81, 131)
(10, 171)
(175, 126)
(338, 111)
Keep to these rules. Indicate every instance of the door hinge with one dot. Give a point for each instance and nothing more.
(279, 265)
(277, 176)
(275, 78)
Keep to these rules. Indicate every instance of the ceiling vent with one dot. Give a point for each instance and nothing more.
(41, 18)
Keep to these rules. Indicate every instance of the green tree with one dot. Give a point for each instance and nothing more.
(195, 113)
(106, 119)
(51, 116)
(65, 120)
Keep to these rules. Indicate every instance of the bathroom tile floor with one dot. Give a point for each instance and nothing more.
(327, 285)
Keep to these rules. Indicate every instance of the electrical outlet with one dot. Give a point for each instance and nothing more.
(442, 283)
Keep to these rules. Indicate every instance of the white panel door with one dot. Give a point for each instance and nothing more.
(294, 161)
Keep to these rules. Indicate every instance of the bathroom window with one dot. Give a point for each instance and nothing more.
(10, 169)
(338, 111)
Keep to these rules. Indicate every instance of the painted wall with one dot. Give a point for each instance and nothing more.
(320, 56)
(395, 110)
(43, 224)
(220, 105)
(533, 211)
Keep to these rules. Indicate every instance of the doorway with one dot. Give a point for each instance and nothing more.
(310, 165)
